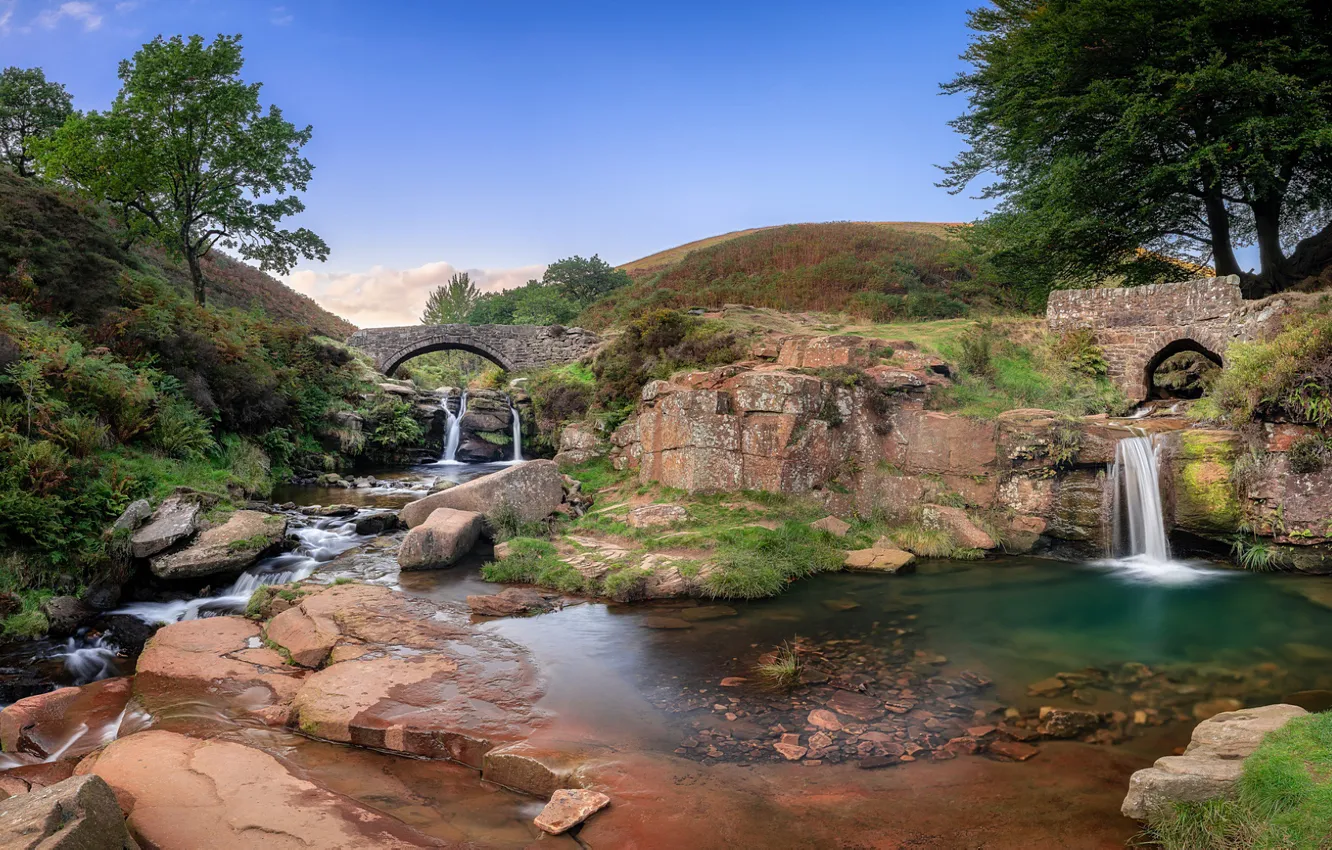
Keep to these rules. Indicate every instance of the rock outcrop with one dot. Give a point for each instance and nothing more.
(533, 489)
(485, 431)
(176, 519)
(1212, 763)
(579, 443)
(224, 549)
(184, 792)
(445, 537)
(80, 813)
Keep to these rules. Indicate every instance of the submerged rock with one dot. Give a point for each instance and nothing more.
(533, 489)
(445, 536)
(227, 548)
(44, 724)
(1212, 763)
(79, 813)
(510, 601)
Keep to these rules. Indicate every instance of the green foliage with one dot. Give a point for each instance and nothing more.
(1078, 349)
(506, 523)
(656, 345)
(187, 157)
(30, 109)
(451, 303)
(584, 281)
(1287, 377)
(754, 562)
(25, 625)
(596, 475)
(1188, 130)
(880, 272)
(1000, 372)
(1283, 799)
(532, 561)
(561, 394)
(925, 542)
(533, 303)
(180, 430)
(1308, 454)
(1257, 554)
(390, 427)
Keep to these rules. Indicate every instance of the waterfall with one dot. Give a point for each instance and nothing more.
(454, 428)
(1139, 525)
(517, 433)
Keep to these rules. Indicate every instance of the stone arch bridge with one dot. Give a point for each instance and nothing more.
(1138, 327)
(511, 347)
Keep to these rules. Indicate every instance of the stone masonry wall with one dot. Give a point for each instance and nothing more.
(1138, 326)
(513, 347)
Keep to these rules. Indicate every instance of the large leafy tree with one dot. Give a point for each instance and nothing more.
(451, 303)
(30, 109)
(584, 281)
(1119, 133)
(533, 303)
(190, 158)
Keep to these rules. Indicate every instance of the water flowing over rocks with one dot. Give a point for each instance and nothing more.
(533, 490)
(1212, 763)
(57, 723)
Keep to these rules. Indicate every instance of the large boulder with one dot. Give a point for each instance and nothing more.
(80, 813)
(956, 522)
(65, 615)
(534, 489)
(227, 548)
(579, 443)
(182, 792)
(1212, 763)
(174, 520)
(445, 537)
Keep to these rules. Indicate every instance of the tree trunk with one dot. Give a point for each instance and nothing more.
(1218, 222)
(196, 275)
(1267, 225)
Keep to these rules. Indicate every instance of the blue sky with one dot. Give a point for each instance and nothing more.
(498, 136)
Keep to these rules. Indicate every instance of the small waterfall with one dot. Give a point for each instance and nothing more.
(454, 428)
(1139, 524)
(517, 433)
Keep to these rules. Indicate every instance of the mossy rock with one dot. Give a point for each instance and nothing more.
(495, 438)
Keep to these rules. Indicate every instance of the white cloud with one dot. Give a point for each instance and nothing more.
(281, 17)
(85, 13)
(126, 6)
(7, 8)
(385, 297)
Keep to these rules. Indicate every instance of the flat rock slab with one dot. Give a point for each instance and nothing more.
(510, 602)
(216, 658)
(568, 808)
(417, 678)
(649, 516)
(1211, 764)
(445, 537)
(79, 813)
(533, 489)
(227, 548)
(879, 560)
(182, 793)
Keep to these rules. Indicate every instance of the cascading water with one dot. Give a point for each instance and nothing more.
(1139, 523)
(454, 428)
(517, 433)
(317, 543)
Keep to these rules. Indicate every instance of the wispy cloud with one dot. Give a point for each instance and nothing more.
(7, 8)
(383, 296)
(126, 6)
(85, 13)
(280, 16)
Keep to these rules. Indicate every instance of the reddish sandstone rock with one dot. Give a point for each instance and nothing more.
(879, 560)
(307, 631)
(182, 792)
(43, 724)
(538, 769)
(956, 522)
(1013, 750)
(216, 658)
(832, 525)
(79, 813)
(648, 516)
(441, 540)
(227, 548)
(510, 601)
(568, 808)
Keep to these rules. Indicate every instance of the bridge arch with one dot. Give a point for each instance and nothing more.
(511, 347)
(1170, 349)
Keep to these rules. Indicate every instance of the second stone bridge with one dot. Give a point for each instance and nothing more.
(512, 347)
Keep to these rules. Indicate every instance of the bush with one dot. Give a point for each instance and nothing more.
(1079, 351)
(1288, 377)
(656, 345)
(532, 561)
(1307, 455)
(180, 430)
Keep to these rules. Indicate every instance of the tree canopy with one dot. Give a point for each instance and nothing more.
(30, 109)
(533, 303)
(584, 281)
(189, 158)
(451, 303)
(1122, 134)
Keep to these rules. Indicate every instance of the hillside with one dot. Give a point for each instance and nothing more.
(80, 268)
(876, 270)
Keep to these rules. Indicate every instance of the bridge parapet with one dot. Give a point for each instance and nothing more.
(512, 347)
